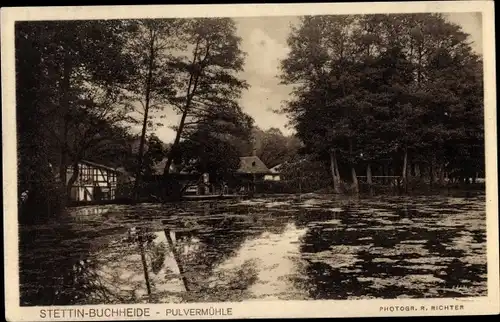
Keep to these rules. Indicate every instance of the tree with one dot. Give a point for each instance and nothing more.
(323, 69)
(152, 86)
(34, 171)
(206, 80)
(212, 146)
(205, 152)
(272, 146)
(154, 153)
(72, 73)
(365, 84)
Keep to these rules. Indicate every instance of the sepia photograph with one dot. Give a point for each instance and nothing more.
(250, 159)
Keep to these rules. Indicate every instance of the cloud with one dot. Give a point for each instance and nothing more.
(264, 53)
(265, 94)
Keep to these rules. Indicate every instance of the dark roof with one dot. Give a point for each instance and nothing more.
(97, 165)
(252, 165)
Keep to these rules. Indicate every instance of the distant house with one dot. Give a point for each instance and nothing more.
(253, 168)
(275, 173)
(94, 182)
(251, 171)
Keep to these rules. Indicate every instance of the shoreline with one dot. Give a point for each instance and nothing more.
(473, 190)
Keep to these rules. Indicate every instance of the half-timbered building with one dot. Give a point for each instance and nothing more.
(95, 182)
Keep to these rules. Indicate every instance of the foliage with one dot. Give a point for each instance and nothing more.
(155, 152)
(206, 79)
(272, 146)
(81, 84)
(206, 153)
(305, 174)
(151, 87)
(391, 90)
(68, 102)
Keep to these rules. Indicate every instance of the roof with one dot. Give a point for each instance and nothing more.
(97, 165)
(276, 168)
(252, 165)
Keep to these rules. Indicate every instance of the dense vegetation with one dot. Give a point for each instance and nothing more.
(67, 101)
(391, 95)
(375, 95)
(81, 85)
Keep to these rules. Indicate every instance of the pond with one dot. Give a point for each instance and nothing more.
(287, 248)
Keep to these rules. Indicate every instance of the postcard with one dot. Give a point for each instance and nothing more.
(249, 161)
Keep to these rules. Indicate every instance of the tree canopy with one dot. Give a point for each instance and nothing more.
(386, 90)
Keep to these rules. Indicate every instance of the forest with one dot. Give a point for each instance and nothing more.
(387, 96)
(374, 95)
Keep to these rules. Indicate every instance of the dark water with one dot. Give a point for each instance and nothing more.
(312, 247)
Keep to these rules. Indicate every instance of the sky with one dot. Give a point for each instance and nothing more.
(264, 41)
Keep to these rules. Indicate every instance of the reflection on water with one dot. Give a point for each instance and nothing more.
(313, 247)
(263, 266)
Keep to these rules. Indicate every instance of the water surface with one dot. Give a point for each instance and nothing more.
(288, 248)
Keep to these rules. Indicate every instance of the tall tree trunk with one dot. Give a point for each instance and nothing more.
(405, 170)
(431, 173)
(337, 171)
(418, 174)
(369, 179)
(64, 105)
(355, 185)
(191, 89)
(177, 259)
(334, 171)
(144, 264)
(369, 174)
(147, 100)
(405, 165)
(35, 174)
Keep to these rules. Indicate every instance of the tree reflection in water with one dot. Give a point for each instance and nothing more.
(143, 267)
(220, 237)
(310, 249)
(71, 269)
(217, 239)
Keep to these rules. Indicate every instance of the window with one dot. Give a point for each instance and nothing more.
(86, 174)
(253, 164)
(95, 173)
(83, 173)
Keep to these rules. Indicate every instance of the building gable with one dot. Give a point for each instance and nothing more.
(252, 165)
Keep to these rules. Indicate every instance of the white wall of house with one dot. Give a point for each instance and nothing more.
(93, 183)
(272, 177)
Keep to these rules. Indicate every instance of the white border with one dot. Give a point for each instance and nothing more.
(281, 309)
